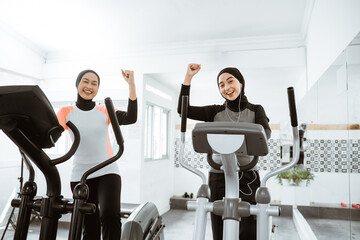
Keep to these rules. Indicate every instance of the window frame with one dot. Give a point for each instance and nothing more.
(149, 154)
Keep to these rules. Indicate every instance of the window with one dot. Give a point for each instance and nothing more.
(156, 132)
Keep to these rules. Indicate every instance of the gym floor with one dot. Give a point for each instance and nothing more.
(179, 224)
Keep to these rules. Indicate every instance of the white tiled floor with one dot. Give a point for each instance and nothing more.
(325, 229)
(179, 225)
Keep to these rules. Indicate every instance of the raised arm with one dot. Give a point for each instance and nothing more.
(192, 69)
(130, 116)
(129, 78)
(203, 113)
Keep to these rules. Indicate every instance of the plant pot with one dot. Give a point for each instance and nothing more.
(302, 183)
(286, 182)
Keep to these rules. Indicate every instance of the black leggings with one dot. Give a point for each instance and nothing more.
(217, 187)
(105, 194)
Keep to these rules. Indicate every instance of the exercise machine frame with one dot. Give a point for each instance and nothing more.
(227, 139)
(34, 128)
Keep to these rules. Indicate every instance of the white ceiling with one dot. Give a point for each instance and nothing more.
(57, 26)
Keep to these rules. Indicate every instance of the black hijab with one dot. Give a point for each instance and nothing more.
(82, 103)
(241, 100)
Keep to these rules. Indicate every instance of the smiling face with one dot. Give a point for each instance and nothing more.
(229, 86)
(88, 86)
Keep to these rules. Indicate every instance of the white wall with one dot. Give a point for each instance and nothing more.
(332, 100)
(19, 56)
(10, 155)
(267, 75)
(20, 63)
(333, 25)
(327, 189)
(157, 176)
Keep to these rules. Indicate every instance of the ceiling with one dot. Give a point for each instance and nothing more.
(55, 27)
(115, 25)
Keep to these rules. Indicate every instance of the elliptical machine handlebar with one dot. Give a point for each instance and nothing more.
(296, 140)
(184, 108)
(292, 107)
(119, 139)
(114, 123)
(73, 148)
(29, 167)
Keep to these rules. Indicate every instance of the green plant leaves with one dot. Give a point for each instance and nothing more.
(295, 176)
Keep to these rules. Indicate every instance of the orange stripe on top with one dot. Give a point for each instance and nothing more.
(109, 148)
(62, 115)
(103, 110)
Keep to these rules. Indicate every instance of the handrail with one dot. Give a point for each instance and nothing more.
(73, 148)
(29, 166)
(296, 140)
(184, 107)
(119, 139)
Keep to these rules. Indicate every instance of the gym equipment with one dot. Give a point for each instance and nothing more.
(144, 223)
(28, 119)
(230, 139)
(12, 217)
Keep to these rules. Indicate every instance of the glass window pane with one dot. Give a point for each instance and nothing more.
(164, 133)
(148, 127)
(146, 132)
(156, 132)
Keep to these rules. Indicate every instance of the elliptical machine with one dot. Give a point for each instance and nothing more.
(230, 139)
(28, 119)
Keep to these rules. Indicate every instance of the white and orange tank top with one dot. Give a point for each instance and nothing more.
(94, 146)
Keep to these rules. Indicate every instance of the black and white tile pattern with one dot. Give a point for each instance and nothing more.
(191, 157)
(339, 156)
(328, 156)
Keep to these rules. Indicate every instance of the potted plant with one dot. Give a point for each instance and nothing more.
(295, 177)
(284, 178)
(302, 177)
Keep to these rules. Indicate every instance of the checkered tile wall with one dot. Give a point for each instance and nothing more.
(333, 155)
(320, 156)
(194, 159)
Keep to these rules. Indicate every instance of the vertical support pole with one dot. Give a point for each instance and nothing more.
(230, 168)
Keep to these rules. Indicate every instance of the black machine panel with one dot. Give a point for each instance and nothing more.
(255, 137)
(28, 109)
